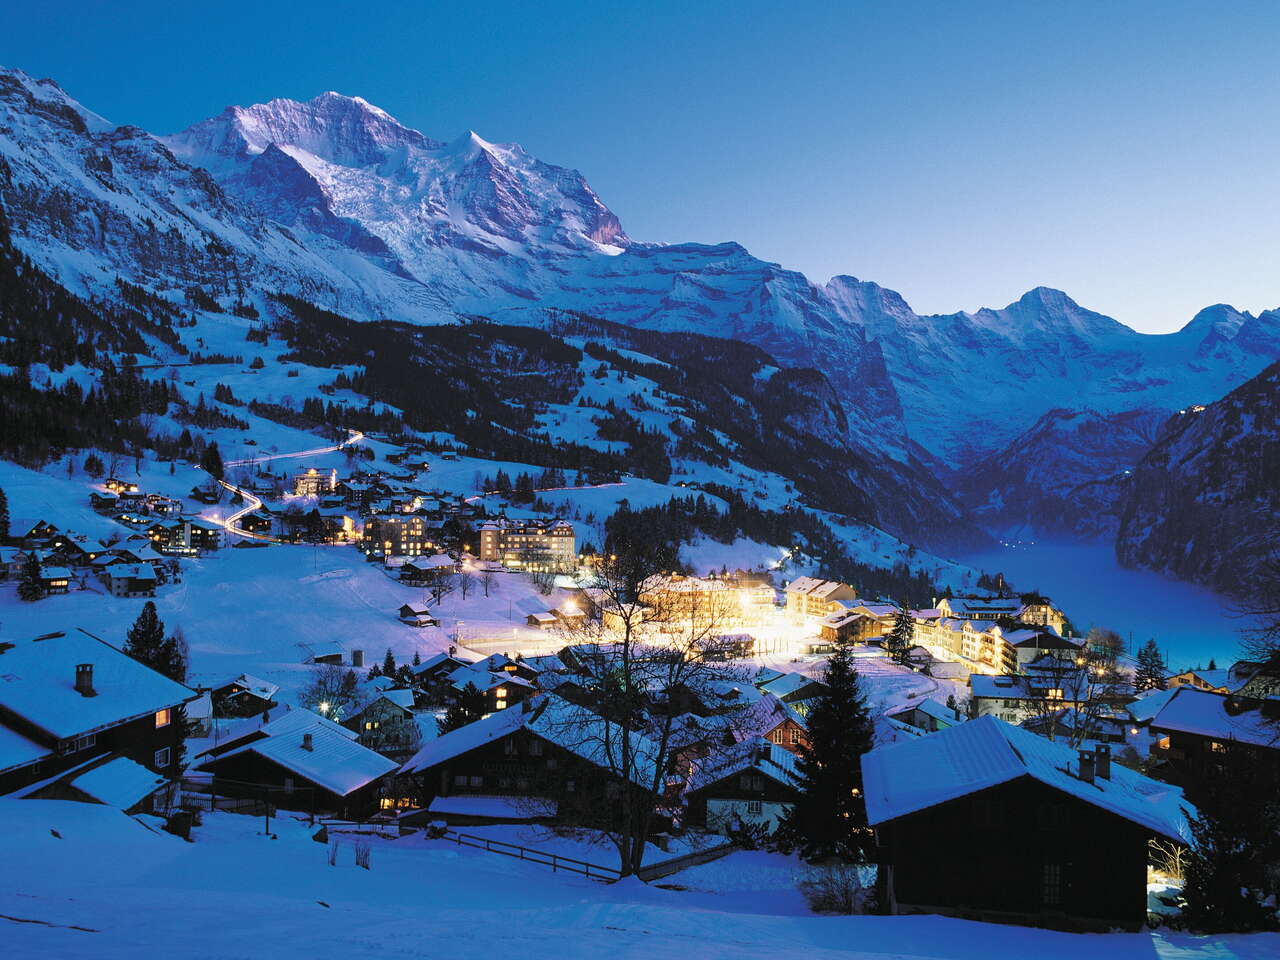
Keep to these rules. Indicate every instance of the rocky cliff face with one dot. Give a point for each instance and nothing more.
(1203, 503)
(1065, 477)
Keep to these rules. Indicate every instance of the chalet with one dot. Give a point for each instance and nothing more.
(544, 758)
(104, 503)
(1015, 698)
(76, 552)
(417, 616)
(542, 621)
(500, 689)
(387, 724)
(768, 718)
(754, 783)
(1194, 730)
(112, 780)
(1246, 677)
(258, 521)
(422, 570)
(324, 651)
(245, 696)
(68, 698)
(302, 761)
(1029, 645)
(811, 597)
(1081, 726)
(116, 485)
(843, 627)
(979, 607)
(501, 663)
(55, 579)
(436, 669)
(1039, 612)
(131, 580)
(795, 689)
(925, 716)
(28, 532)
(1078, 862)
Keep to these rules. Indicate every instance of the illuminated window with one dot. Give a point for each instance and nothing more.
(500, 705)
(162, 718)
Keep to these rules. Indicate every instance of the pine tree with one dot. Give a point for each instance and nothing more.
(417, 659)
(829, 818)
(29, 587)
(1152, 672)
(897, 643)
(468, 707)
(172, 657)
(211, 460)
(389, 664)
(145, 642)
(1230, 865)
(4, 516)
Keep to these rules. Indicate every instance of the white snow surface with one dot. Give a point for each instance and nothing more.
(236, 893)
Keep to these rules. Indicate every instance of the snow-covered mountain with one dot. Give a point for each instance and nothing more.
(334, 200)
(1203, 502)
(1065, 477)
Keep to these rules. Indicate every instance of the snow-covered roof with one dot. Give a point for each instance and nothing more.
(17, 750)
(930, 708)
(335, 760)
(1149, 703)
(787, 683)
(255, 685)
(1008, 687)
(1204, 713)
(401, 698)
(497, 808)
(914, 775)
(132, 571)
(37, 682)
(802, 585)
(119, 782)
(569, 726)
(756, 754)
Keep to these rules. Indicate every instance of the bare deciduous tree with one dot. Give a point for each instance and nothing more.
(658, 645)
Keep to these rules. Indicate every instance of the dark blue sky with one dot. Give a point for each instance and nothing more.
(960, 153)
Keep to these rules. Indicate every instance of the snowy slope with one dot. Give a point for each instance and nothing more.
(1203, 502)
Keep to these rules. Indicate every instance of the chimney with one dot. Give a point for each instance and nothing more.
(1086, 766)
(84, 680)
(1102, 761)
(357, 658)
(306, 741)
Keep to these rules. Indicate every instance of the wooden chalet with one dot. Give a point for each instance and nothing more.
(69, 698)
(541, 760)
(752, 783)
(299, 761)
(1194, 730)
(987, 821)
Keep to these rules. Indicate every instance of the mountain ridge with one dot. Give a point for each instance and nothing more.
(335, 200)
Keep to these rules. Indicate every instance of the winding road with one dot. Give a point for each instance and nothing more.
(252, 503)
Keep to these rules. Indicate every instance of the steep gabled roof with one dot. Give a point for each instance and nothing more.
(335, 761)
(567, 725)
(914, 775)
(756, 754)
(1205, 714)
(37, 683)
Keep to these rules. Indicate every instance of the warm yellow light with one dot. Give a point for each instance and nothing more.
(324, 706)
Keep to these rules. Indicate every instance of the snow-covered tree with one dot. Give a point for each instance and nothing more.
(897, 642)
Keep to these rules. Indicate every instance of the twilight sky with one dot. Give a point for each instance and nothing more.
(960, 153)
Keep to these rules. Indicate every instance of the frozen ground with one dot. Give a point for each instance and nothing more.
(84, 881)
